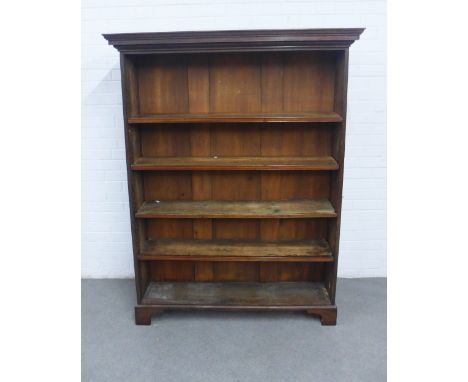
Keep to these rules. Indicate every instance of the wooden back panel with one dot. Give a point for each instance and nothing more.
(236, 83)
(290, 82)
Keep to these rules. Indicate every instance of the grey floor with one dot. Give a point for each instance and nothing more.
(225, 347)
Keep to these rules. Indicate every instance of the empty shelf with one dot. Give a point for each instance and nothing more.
(237, 294)
(236, 250)
(236, 209)
(236, 163)
(237, 117)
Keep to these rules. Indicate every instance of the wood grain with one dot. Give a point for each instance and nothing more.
(237, 250)
(236, 163)
(162, 85)
(236, 209)
(237, 294)
(236, 117)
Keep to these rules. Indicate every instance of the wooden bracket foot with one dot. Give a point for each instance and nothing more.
(327, 315)
(143, 314)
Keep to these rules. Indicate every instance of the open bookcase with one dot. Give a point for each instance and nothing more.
(235, 149)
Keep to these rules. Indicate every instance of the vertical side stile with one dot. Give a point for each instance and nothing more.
(135, 182)
(336, 186)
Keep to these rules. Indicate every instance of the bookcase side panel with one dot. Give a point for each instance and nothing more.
(336, 194)
(130, 102)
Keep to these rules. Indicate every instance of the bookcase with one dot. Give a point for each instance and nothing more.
(235, 150)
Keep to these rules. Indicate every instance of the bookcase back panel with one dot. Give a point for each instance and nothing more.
(162, 85)
(236, 83)
(234, 271)
(237, 185)
(255, 229)
(234, 140)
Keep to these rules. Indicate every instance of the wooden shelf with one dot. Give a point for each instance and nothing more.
(237, 294)
(236, 209)
(236, 163)
(236, 117)
(236, 250)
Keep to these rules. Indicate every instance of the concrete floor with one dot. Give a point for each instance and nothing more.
(225, 347)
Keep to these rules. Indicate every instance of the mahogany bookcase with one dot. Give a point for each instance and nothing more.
(235, 147)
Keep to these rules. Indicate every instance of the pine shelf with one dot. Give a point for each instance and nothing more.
(236, 250)
(236, 209)
(237, 295)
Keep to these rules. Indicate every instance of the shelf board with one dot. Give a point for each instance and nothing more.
(236, 209)
(325, 163)
(236, 250)
(237, 294)
(236, 117)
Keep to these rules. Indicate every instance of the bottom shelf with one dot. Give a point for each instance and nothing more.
(236, 294)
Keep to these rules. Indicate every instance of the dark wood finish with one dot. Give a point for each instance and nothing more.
(144, 313)
(135, 189)
(235, 156)
(236, 163)
(234, 41)
(327, 314)
(236, 250)
(336, 192)
(233, 117)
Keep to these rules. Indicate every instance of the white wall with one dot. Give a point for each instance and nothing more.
(105, 222)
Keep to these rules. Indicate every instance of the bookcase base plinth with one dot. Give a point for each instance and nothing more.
(327, 314)
(234, 296)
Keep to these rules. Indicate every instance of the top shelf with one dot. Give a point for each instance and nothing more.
(236, 117)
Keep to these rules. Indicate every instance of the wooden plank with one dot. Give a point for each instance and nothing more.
(292, 229)
(161, 142)
(169, 228)
(291, 185)
(236, 140)
(236, 294)
(162, 85)
(235, 271)
(167, 185)
(272, 83)
(236, 209)
(171, 270)
(235, 163)
(237, 250)
(293, 140)
(235, 83)
(308, 82)
(200, 145)
(235, 117)
(198, 84)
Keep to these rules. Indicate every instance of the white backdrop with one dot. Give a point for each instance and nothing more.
(106, 239)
